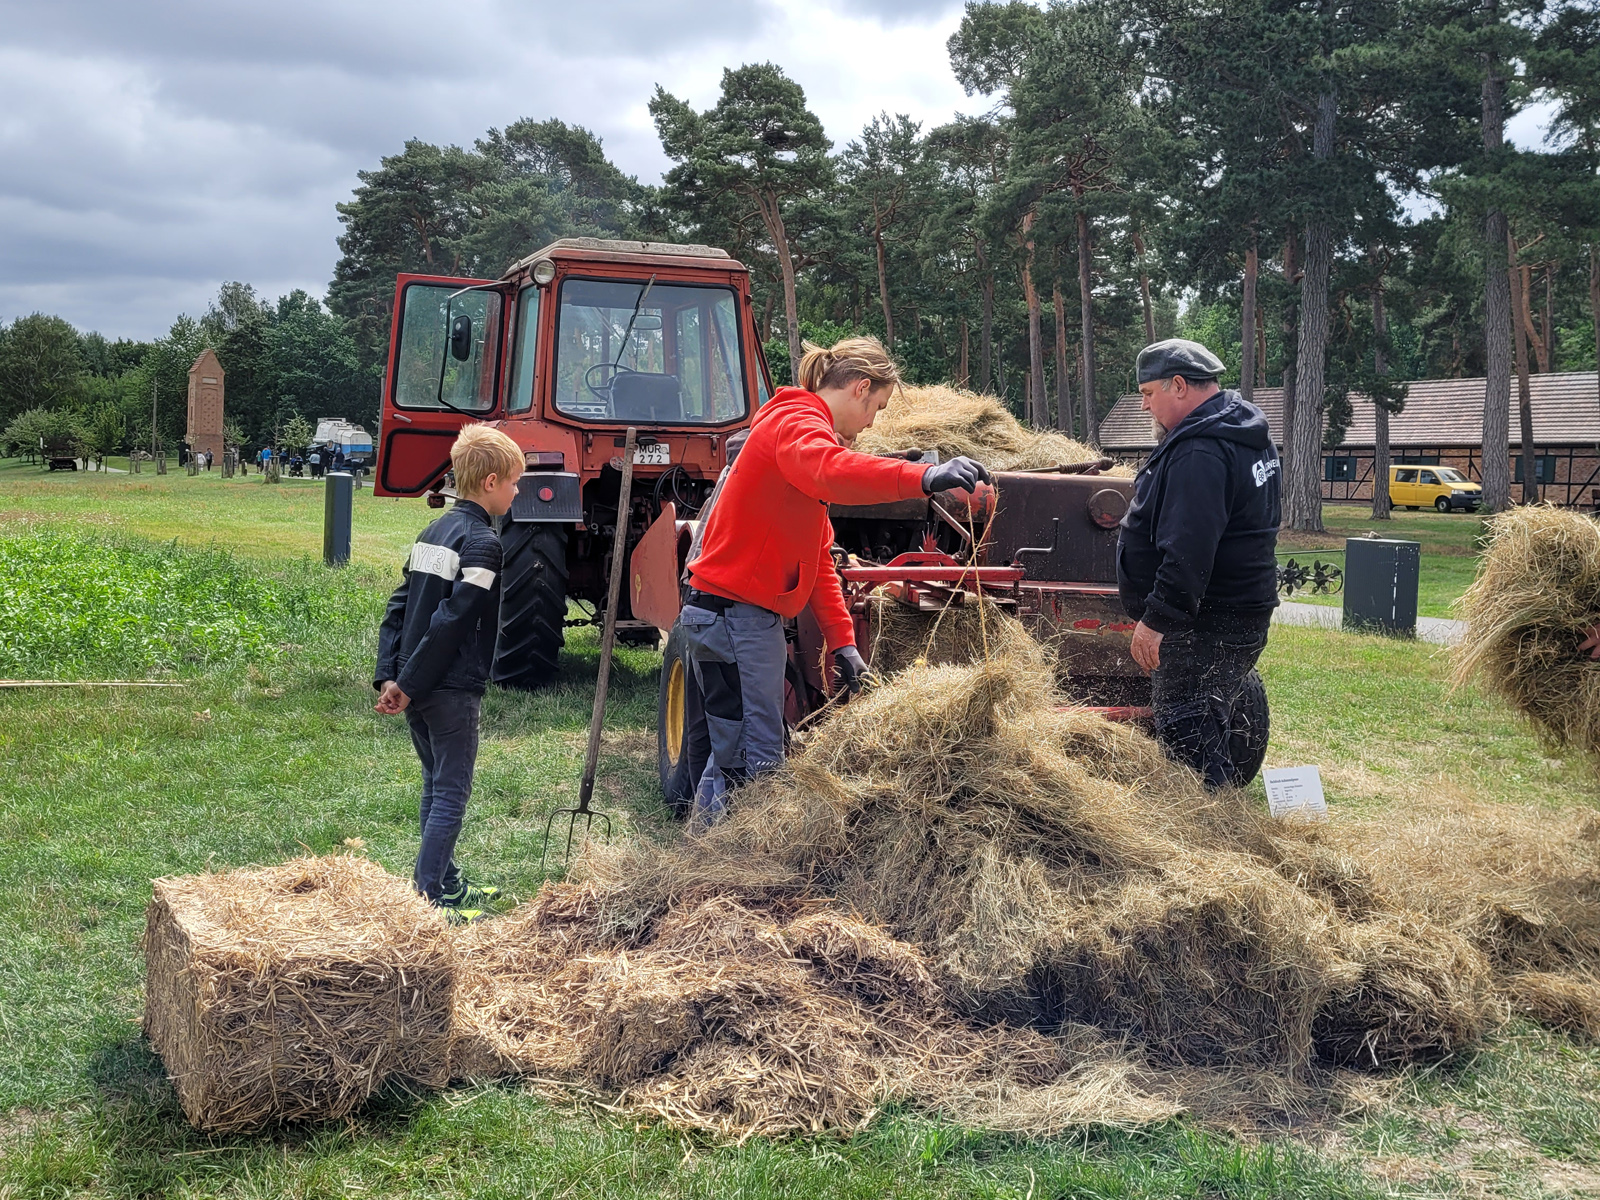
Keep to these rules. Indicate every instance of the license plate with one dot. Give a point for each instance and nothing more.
(659, 455)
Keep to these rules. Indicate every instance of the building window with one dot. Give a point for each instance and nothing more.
(1426, 460)
(1544, 466)
(1338, 468)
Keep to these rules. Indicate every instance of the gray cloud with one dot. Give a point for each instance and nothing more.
(153, 150)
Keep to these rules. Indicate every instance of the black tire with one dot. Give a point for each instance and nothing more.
(1249, 726)
(677, 716)
(1442, 504)
(533, 604)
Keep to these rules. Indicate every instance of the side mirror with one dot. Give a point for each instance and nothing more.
(461, 338)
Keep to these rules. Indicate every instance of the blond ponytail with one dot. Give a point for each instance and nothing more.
(845, 362)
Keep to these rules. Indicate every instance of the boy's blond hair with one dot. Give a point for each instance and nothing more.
(480, 452)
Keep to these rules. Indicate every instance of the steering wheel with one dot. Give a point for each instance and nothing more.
(607, 375)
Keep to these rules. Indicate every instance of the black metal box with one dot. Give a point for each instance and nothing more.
(1380, 585)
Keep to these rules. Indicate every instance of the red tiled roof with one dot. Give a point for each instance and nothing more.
(1438, 412)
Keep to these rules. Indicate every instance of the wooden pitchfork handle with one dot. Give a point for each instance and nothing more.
(608, 638)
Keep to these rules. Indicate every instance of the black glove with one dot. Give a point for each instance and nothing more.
(959, 472)
(853, 669)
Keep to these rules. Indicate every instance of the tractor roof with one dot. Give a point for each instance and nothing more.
(610, 248)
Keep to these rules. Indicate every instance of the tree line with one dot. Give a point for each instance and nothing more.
(286, 362)
(1320, 190)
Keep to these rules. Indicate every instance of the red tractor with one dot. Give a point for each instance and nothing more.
(584, 339)
(571, 346)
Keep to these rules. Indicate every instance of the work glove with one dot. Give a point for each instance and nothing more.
(961, 472)
(853, 670)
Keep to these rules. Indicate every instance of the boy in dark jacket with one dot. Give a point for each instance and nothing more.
(434, 651)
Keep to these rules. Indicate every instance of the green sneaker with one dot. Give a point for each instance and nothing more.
(471, 895)
(455, 914)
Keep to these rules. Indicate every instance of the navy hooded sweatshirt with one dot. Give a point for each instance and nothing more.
(1201, 535)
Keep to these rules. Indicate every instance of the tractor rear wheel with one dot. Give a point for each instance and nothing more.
(1249, 726)
(533, 604)
(677, 715)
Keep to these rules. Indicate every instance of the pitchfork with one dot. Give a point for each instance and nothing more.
(607, 640)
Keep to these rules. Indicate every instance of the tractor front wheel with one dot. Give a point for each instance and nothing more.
(533, 604)
(1249, 726)
(677, 717)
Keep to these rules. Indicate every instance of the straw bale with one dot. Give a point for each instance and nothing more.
(956, 422)
(1536, 595)
(295, 991)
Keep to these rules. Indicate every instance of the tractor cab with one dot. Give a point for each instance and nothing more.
(582, 338)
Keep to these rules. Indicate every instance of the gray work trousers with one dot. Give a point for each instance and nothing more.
(739, 656)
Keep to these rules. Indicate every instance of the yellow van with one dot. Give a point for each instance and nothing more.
(1445, 488)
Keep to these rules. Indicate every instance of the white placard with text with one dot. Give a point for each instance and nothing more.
(1295, 793)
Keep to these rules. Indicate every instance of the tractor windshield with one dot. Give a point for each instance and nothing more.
(648, 353)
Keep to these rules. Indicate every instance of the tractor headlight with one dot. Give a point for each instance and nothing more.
(543, 271)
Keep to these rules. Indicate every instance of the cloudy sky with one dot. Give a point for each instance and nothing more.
(151, 150)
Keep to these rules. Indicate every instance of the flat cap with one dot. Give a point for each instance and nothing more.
(1176, 356)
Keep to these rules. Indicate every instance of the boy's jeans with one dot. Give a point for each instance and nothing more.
(444, 729)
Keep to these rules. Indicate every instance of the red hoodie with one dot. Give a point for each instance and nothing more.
(767, 539)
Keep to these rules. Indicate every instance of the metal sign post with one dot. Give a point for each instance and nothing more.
(336, 518)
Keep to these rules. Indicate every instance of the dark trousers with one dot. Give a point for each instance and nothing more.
(1194, 689)
(444, 729)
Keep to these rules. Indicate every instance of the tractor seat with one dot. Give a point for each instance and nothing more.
(646, 397)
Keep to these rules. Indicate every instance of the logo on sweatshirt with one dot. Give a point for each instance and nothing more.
(1263, 471)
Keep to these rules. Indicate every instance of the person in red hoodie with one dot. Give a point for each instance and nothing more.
(765, 552)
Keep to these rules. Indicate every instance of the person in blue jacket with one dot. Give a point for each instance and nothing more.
(1197, 552)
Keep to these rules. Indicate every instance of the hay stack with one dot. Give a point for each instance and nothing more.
(295, 991)
(745, 1020)
(954, 422)
(1057, 870)
(1536, 595)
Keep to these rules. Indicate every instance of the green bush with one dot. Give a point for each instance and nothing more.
(79, 607)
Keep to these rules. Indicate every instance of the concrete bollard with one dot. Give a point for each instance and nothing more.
(337, 511)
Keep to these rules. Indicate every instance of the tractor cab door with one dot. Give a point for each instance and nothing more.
(444, 368)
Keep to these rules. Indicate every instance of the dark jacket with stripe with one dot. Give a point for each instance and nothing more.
(1201, 535)
(440, 626)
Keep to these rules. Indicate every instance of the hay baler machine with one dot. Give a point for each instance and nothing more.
(1039, 545)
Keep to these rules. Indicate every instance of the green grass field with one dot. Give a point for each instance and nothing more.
(271, 748)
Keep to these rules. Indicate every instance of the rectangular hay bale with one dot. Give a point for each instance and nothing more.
(294, 991)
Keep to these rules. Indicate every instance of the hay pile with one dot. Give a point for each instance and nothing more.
(1057, 871)
(1536, 596)
(295, 991)
(954, 422)
(771, 1019)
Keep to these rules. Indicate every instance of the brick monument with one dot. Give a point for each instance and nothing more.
(205, 405)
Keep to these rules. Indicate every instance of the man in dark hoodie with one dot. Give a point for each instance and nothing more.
(1196, 558)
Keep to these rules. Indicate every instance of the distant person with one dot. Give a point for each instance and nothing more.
(265, 457)
(315, 458)
(210, 457)
(435, 647)
(338, 460)
(1197, 555)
